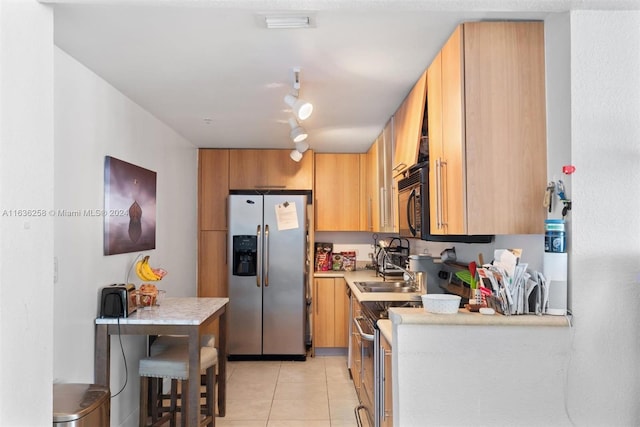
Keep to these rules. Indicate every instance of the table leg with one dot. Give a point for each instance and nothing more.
(102, 356)
(222, 365)
(192, 410)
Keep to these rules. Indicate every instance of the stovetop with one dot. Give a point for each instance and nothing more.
(376, 310)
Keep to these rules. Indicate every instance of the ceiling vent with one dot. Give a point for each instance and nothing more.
(287, 21)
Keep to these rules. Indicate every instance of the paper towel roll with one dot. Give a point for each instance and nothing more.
(555, 271)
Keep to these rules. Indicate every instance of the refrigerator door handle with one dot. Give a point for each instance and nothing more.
(266, 255)
(259, 256)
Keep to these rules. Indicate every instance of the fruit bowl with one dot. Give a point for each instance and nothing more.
(146, 299)
(147, 273)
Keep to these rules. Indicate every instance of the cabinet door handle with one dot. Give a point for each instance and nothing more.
(383, 207)
(439, 193)
(266, 255)
(411, 212)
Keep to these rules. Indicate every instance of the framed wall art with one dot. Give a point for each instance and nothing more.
(130, 207)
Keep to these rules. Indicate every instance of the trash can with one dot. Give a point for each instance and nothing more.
(81, 405)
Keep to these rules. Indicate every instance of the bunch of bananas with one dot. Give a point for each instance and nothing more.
(146, 273)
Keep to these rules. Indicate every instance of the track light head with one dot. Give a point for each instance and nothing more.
(302, 146)
(297, 134)
(295, 155)
(302, 109)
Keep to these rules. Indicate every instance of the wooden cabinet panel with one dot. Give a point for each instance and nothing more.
(389, 193)
(331, 312)
(337, 192)
(363, 197)
(506, 59)
(408, 127)
(212, 262)
(213, 188)
(212, 268)
(324, 313)
(264, 169)
(370, 183)
(341, 314)
(487, 149)
(379, 190)
(453, 133)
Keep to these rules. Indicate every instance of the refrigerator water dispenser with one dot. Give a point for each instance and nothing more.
(245, 255)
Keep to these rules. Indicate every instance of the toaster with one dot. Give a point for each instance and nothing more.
(118, 300)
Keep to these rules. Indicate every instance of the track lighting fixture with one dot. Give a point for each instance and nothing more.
(298, 134)
(302, 110)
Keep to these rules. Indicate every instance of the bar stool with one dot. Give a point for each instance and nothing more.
(172, 361)
(159, 344)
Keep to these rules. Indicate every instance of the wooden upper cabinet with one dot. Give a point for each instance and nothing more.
(487, 130)
(337, 192)
(213, 188)
(269, 169)
(408, 127)
(370, 184)
(363, 197)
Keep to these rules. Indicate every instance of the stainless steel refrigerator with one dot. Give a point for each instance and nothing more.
(267, 276)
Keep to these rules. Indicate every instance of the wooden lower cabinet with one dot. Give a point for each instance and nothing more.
(386, 387)
(330, 313)
(212, 267)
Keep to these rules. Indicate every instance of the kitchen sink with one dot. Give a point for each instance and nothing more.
(398, 286)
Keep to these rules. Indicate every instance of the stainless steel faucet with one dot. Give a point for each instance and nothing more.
(387, 259)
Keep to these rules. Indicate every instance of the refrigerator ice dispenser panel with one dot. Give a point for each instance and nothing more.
(245, 255)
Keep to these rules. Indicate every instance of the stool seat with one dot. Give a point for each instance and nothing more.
(170, 359)
(174, 362)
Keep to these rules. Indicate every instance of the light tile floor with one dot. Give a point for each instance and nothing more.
(315, 393)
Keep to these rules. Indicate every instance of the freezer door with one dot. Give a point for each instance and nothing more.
(245, 292)
(284, 290)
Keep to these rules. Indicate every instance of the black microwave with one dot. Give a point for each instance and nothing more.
(413, 209)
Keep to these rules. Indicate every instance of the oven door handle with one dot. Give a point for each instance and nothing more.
(367, 337)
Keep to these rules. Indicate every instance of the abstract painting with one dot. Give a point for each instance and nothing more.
(130, 207)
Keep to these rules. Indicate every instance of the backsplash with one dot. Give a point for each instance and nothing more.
(362, 243)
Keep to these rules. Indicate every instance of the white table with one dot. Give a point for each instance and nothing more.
(176, 316)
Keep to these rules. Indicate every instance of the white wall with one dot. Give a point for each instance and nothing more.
(93, 120)
(604, 386)
(26, 242)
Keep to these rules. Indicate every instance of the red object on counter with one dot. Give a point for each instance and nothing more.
(568, 169)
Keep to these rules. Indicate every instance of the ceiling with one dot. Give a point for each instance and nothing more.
(212, 71)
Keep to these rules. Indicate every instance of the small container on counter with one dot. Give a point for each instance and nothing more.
(555, 238)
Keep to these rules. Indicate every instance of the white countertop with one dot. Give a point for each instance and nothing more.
(405, 315)
(173, 311)
(386, 329)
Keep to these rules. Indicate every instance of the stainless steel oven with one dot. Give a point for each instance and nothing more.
(366, 325)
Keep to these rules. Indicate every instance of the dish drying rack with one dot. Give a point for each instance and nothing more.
(397, 253)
